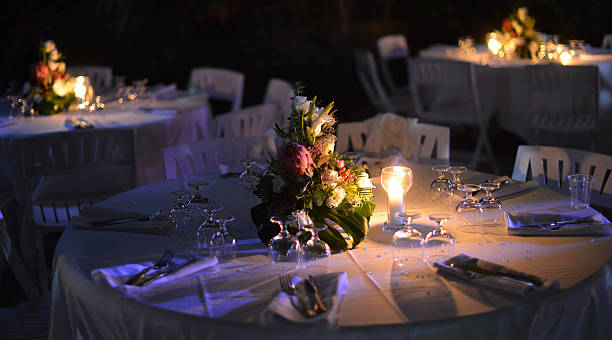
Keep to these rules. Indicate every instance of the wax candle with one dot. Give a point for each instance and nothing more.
(395, 204)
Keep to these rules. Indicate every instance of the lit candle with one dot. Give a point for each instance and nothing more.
(494, 46)
(395, 194)
(396, 180)
(565, 58)
(80, 90)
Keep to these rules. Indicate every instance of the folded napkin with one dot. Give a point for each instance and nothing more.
(78, 123)
(7, 122)
(495, 276)
(181, 267)
(390, 131)
(91, 215)
(331, 288)
(536, 223)
(511, 188)
(376, 164)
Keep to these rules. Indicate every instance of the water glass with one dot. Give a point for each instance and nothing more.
(284, 247)
(179, 200)
(222, 242)
(489, 207)
(580, 190)
(468, 208)
(406, 242)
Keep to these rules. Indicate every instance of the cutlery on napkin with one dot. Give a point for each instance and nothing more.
(509, 187)
(78, 123)
(583, 222)
(7, 122)
(181, 267)
(495, 276)
(93, 218)
(331, 288)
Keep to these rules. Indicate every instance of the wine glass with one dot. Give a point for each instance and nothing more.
(196, 200)
(396, 180)
(284, 247)
(456, 171)
(248, 180)
(441, 187)
(223, 243)
(468, 207)
(177, 212)
(489, 207)
(208, 225)
(406, 239)
(439, 235)
(315, 248)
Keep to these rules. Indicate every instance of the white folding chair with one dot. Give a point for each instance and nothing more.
(607, 41)
(17, 266)
(433, 141)
(371, 84)
(215, 155)
(391, 49)
(251, 121)
(219, 83)
(564, 104)
(100, 77)
(279, 92)
(551, 165)
(444, 77)
(351, 136)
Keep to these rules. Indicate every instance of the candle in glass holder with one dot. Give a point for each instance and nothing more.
(396, 180)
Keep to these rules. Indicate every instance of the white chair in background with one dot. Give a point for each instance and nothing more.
(445, 77)
(251, 121)
(433, 141)
(607, 41)
(100, 77)
(215, 155)
(351, 136)
(564, 104)
(279, 92)
(551, 165)
(219, 83)
(371, 84)
(393, 48)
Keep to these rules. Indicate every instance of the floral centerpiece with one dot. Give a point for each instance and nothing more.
(307, 175)
(53, 89)
(517, 37)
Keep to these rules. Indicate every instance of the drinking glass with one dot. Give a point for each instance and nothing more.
(439, 235)
(197, 199)
(468, 207)
(315, 248)
(178, 214)
(489, 207)
(284, 247)
(406, 239)
(248, 179)
(580, 190)
(396, 180)
(441, 187)
(208, 225)
(222, 242)
(456, 171)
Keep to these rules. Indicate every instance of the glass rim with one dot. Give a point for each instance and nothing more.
(396, 168)
(580, 177)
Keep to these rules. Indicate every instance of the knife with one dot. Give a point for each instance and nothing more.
(585, 221)
(312, 286)
(470, 271)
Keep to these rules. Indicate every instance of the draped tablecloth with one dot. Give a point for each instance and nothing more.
(502, 89)
(385, 298)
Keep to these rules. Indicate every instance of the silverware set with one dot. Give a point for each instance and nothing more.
(126, 219)
(309, 307)
(143, 277)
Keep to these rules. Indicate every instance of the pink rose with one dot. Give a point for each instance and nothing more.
(296, 160)
(41, 72)
(340, 163)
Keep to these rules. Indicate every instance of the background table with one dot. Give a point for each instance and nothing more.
(383, 298)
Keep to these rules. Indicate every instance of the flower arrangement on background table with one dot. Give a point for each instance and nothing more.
(307, 175)
(53, 90)
(517, 37)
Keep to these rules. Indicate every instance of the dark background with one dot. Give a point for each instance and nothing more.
(302, 40)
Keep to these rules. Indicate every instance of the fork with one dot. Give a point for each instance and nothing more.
(288, 287)
(163, 261)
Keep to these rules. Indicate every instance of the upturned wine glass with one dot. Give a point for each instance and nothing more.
(406, 239)
(439, 235)
(456, 172)
(468, 207)
(315, 248)
(177, 211)
(284, 247)
(222, 242)
(489, 207)
(441, 187)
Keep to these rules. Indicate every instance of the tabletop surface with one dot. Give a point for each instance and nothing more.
(392, 288)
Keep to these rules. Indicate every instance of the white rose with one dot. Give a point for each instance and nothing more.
(330, 177)
(300, 103)
(49, 46)
(364, 181)
(317, 123)
(60, 88)
(302, 218)
(337, 198)
(54, 55)
(522, 13)
(277, 184)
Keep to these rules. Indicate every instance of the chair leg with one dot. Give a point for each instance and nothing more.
(43, 271)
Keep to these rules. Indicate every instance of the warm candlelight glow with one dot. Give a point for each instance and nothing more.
(565, 58)
(396, 180)
(493, 44)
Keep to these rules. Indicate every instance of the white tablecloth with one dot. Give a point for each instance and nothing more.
(383, 300)
(502, 90)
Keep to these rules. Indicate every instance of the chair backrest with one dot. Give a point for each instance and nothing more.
(215, 155)
(557, 90)
(443, 76)
(392, 47)
(550, 166)
(279, 92)
(252, 121)
(433, 140)
(607, 41)
(99, 76)
(351, 136)
(370, 80)
(219, 83)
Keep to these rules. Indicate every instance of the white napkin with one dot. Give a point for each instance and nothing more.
(390, 131)
(94, 214)
(375, 164)
(510, 189)
(115, 277)
(331, 288)
(522, 223)
(491, 281)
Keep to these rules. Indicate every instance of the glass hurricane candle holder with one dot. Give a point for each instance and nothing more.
(396, 180)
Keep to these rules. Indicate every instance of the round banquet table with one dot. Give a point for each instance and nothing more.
(382, 299)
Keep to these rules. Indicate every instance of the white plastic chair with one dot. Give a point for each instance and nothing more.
(215, 155)
(279, 92)
(551, 165)
(219, 83)
(371, 84)
(562, 100)
(444, 77)
(392, 48)
(433, 141)
(351, 136)
(251, 121)
(100, 77)
(607, 41)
